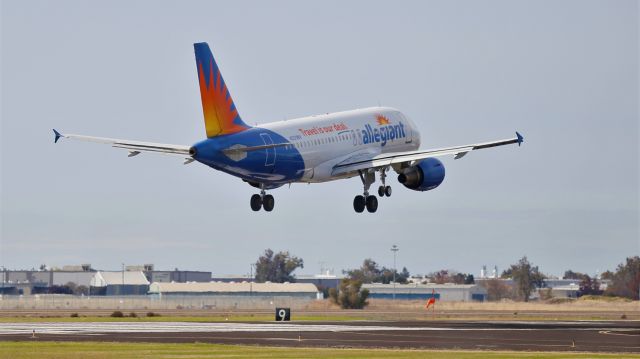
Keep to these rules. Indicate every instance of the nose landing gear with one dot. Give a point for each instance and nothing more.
(384, 190)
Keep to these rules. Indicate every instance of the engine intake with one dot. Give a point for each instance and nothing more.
(426, 175)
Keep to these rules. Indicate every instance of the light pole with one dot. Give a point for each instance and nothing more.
(122, 288)
(395, 250)
(251, 281)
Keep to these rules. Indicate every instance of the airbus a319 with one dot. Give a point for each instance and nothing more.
(311, 149)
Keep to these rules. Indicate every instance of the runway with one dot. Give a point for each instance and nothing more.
(534, 336)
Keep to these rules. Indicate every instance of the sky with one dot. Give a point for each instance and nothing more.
(563, 73)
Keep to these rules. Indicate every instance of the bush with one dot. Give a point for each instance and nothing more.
(152, 314)
(117, 314)
(133, 315)
(350, 295)
(74, 315)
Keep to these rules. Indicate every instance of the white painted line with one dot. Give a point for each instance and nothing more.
(173, 327)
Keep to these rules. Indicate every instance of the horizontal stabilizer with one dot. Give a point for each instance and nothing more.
(57, 134)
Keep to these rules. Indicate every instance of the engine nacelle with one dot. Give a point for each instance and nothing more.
(425, 176)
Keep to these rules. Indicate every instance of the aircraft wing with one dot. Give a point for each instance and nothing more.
(134, 147)
(357, 162)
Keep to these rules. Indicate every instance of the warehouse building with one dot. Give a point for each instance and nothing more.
(322, 281)
(25, 282)
(119, 283)
(415, 291)
(299, 290)
(180, 276)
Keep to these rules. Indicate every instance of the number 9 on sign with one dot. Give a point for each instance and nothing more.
(283, 314)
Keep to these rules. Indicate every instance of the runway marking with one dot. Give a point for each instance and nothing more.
(168, 327)
(608, 332)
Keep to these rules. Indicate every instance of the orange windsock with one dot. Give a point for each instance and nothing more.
(432, 300)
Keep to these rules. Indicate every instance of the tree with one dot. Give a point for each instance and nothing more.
(469, 279)
(367, 273)
(569, 274)
(589, 285)
(626, 279)
(277, 268)
(607, 275)
(496, 289)
(526, 277)
(370, 272)
(462, 278)
(350, 295)
(441, 277)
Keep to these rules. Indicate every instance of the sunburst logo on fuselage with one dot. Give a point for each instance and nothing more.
(382, 120)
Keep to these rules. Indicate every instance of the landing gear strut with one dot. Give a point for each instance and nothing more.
(262, 200)
(361, 202)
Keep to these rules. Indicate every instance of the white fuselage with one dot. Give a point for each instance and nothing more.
(326, 140)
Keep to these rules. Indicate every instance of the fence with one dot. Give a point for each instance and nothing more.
(219, 302)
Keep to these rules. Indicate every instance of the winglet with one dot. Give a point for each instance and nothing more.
(520, 138)
(57, 134)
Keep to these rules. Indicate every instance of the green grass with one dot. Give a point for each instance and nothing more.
(93, 350)
(198, 319)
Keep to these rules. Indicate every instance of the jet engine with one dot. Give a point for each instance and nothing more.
(424, 176)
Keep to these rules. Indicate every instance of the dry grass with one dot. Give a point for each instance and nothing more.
(571, 306)
(590, 308)
(91, 350)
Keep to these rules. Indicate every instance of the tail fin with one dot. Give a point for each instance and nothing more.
(220, 114)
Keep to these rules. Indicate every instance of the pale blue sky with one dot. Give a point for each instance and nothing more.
(564, 73)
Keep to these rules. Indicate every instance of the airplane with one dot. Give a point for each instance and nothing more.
(312, 149)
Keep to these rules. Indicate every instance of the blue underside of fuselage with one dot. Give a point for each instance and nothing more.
(272, 167)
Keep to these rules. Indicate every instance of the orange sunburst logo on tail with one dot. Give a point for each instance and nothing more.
(382, 120)
(219, 111)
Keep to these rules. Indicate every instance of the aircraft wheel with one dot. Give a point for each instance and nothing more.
(381, 192)
(387, 191)
(359, 204)
(372, 204)
(268, 202)
(256, 202)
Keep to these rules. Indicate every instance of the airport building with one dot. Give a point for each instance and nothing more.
(415, 291)
(178, 276)
(244, 289)
(321, 281)
(119, 283)
(26, 282)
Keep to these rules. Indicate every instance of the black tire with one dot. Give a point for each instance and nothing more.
(387, 191)
(381, 191)
(372, 204)
(359, 204)
(268, 203)
(256, 202)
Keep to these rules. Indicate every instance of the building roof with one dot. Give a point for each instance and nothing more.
(377, 288)
(223, 287)
(418, 286)
(102, 279)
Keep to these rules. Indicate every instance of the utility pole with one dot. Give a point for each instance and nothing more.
(122, 288)
(395, 250)
(251, 281)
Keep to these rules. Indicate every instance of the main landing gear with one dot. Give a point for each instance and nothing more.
(365, 200)
(262, 200)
